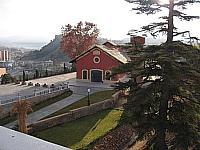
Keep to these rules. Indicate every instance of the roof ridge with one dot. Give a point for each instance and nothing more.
(114, 52)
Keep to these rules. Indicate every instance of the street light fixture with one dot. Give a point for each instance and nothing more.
(18, 95)
(88, 97)
(34, 91)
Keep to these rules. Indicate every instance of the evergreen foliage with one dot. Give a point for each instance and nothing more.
(46, 73)
(65, 69)
(167, 100)
(6, 78)
(37, 74)
(175, 8)
(24, 76)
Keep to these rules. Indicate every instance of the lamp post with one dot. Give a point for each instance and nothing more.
(34, 91)
(18, 96)
(88, 97)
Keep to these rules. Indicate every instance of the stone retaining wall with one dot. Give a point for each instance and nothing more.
(76, 114)
(5, 110)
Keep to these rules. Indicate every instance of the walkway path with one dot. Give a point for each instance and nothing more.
(80, 91)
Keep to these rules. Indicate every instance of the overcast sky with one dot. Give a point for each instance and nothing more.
(40, 20)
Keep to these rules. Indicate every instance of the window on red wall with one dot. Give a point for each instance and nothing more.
(84, 74)
(96, 60)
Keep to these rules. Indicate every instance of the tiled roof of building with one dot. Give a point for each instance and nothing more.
(111, 42)
(115, 53)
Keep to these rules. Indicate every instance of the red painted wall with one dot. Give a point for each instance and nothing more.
(137, 40)
(86, 62)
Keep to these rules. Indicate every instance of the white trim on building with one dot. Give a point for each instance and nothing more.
(82, 74)
(98, 70)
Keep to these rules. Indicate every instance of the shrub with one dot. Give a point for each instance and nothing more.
(30, 84)
(37, 84)
(23, 82)
(7, 78)
(52, 86)
(45, 85)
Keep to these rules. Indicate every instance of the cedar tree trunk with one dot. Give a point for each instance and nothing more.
(170, 22)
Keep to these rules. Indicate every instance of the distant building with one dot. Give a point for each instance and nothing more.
(95, 64)
(110, 44)
(2, 71)
(137, 40)
(4, 56)
(48, 63)
(136, 43)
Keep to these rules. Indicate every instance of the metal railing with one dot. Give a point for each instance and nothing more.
(35, 94)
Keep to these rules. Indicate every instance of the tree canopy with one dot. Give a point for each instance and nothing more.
(175, 8)
(7, 78)
(77, 39)
(166, 100)
(164, 94)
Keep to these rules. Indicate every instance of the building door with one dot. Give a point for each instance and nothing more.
(96, 76)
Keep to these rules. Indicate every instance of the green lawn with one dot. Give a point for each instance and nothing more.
(94, 98)
(40, 105)
(6, 120)
(80, 133)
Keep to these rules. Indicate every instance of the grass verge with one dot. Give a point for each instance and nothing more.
(38, 106)
(80, 133)
(94, 98)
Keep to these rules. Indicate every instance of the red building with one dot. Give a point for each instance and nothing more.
(137, 40)
(95, 64)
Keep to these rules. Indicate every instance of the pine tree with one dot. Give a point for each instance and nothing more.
(65, 69)
(167, 99)
(36, 73)
(24, 76)
(175, 9)
(46, 73)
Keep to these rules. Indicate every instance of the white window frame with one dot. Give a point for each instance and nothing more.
(98, 70)
(87, 74)
(95, 58)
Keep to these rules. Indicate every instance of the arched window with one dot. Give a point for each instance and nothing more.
(84, 74)
(107, 75)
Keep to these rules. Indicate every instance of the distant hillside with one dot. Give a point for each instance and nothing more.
(53, 52)
(50, 51)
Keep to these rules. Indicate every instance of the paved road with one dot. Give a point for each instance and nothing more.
(80, 90)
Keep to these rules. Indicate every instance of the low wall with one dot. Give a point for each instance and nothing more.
(76, 114)
(5, 110)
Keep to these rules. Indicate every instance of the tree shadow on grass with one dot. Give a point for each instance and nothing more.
(75, 134)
